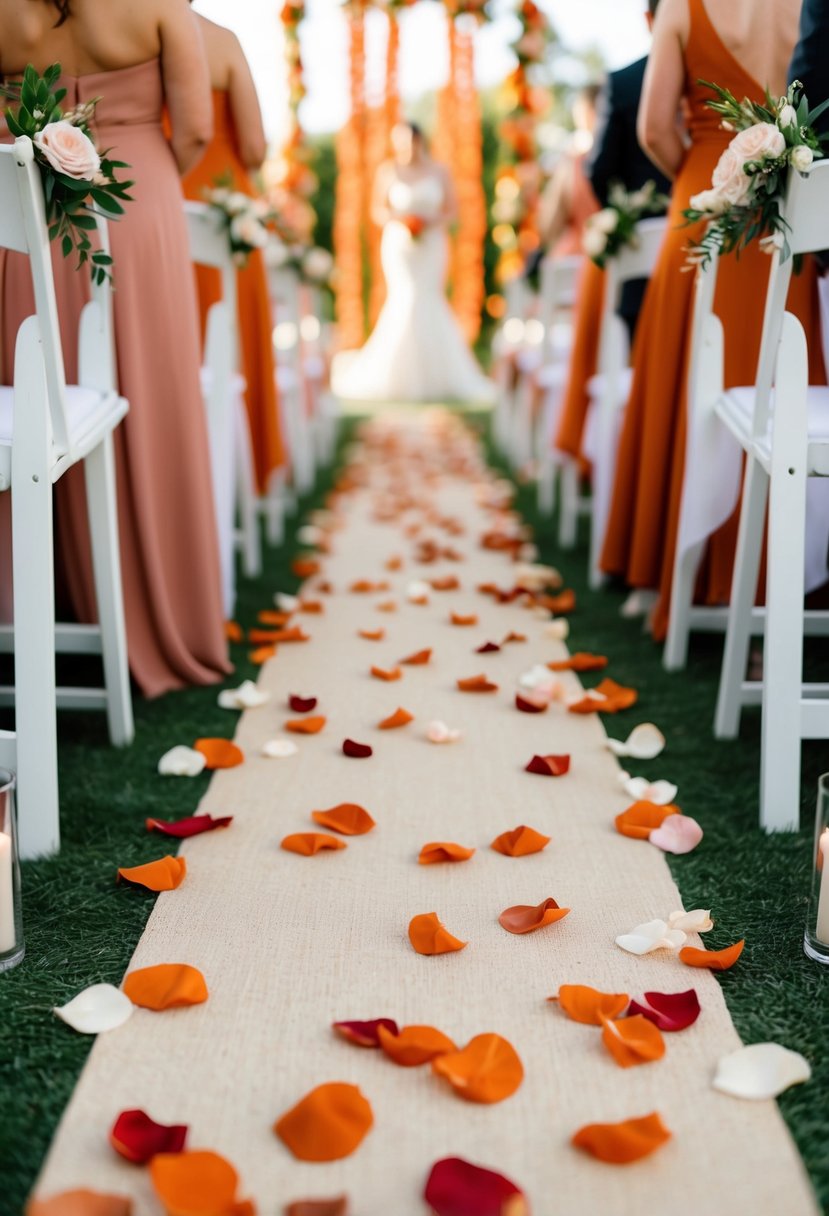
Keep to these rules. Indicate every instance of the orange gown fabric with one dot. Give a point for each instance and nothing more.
(584, 359)
(167, 522)
(222, 160)
(641, 538)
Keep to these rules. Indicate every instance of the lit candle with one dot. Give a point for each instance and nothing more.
(7, 929)
(822, 927)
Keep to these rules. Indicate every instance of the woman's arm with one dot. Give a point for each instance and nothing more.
(186, 83)
(244, 106)
(556, 204)
(658, 127)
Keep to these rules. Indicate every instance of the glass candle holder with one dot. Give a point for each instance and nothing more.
(12, 946)
(816, 939)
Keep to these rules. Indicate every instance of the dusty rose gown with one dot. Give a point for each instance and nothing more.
(169, 549)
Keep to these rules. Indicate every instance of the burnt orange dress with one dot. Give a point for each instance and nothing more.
(584, 359)
(222, 160)
(642, 528)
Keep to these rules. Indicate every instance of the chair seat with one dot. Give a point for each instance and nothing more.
(736, 409)
(595, 386)
(89, 416)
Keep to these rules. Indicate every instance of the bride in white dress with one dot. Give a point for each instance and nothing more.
(417, 351)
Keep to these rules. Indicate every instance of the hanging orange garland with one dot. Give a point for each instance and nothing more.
(383, 113)
(351, 202)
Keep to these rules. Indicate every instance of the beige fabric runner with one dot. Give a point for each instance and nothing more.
(290, 944)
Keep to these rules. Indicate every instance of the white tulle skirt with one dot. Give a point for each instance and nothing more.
(417, 351)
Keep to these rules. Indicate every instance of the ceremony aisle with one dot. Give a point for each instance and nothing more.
(289, 944)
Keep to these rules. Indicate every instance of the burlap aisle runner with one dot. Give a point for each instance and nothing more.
(290, 944)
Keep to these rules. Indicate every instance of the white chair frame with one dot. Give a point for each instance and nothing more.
(290, 378)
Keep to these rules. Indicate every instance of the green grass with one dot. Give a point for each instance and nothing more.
(81, 929)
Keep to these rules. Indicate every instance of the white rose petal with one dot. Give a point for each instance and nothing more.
(285, 602)
(697, 921)
(593, 242)
(439, 732)
(246, 696)
(181, 762)
(558, 630)
(645, 742)
(101, 1007)
(660, 792)
(417, 590)
(279, 749)
(654, 935)
(309, 534)
(801, 158)
(760, 1071)
(606, 220)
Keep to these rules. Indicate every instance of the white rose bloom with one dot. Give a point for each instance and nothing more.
(606, 220)
(237, 203)
(711, 202)
(246, 230)
(802, 158)
(593, 242)
(318, 264)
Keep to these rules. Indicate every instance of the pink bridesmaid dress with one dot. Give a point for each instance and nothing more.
(169, 548)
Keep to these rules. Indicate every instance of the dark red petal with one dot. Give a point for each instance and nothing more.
(668, 1010)
(549, 766)
(192, 826)
(365, 1034)
(318, 1207)
(529, 707)
(457, 1188)
(138, 1138)
(358, 751)
(302, 705)
(488, 648)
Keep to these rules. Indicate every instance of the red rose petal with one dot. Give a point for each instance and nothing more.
(318, 1207)
(458, 1188)
(365, 1034)
(528, 706)
(137, 1137)
(194, 825)
(302, 705)
(549, 766)
(670, 1011)
(357, 751)
(488, 648)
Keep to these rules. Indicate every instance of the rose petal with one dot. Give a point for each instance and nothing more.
(449, 582)
(487, 1070)
(523, 918)
(81, 1202)
(365, 1034)
(418, 659)
(137, 1137)
(622, 1143)
(463, 619)
(312, 607)
(414, 1045)
(372, 635)
(520, 842)
(539, 679)
(219, 753)
(306, 726)
(388, 674)
(633, 1040)
(194, 1183)
(561, 604)
(439, 732)
(641, 790)
(488, 648)
(457, 1188)
(698, 921)
(262, 654)
(347, 818)
(645, 742)
(654, 935)
(477, 684)
(580, 661)
(670, 1011)
(307, 844)
(318, 1207)
(292, 633)
(386, 606)
(357, 751)
(428, 936)
(715, 960)
(246, 696)
(443, 850)
(512, 636)
(640, 820)
(678, 834)
(329, 1123)
(285, 603)
(559, 631)
(166, 986)
(529, 705)
(192, 826)
(233, 631)
(279, 749)
(98, 1008)
(301, 705)
(181, 762)
(549, 766)
(761, 1070)
(608, 697)
(163, 875)
(400, 717)
(589, 1006)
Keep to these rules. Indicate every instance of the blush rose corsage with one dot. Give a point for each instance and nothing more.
(244, 219)
(78, 180)
(609, 231)
(415, 224)
(750, 180)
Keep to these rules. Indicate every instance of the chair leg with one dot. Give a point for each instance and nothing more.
(743, 591)
(246, 505)
(273, 509)
(568, 511)
(99, 474)
(686, 565)
(547, 478)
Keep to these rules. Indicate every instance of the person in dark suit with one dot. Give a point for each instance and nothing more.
(810, 64)
(617, 156)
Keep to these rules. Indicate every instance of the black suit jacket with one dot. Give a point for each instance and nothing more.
(811, 57)
(617, 157)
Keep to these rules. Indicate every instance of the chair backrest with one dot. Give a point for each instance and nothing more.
(633, 262)
(209, 247)
(559, 281)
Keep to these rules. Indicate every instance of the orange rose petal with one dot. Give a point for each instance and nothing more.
(633, 1041)
(428, 936)
(580, 661)
(347, 818)
(219, 753)
(400, 717)
(387, 606)
(294, 633)
(463, 619)
(166, 986)
(589, 1006)
(305, 567)
(488, 1069)
(615, 697)
(372, 635)
(438, 851)
(233, 631)
(313, 607)
(449, 583)
(163, 875)
(263, 637)
(388, 674)
(327, 1124)
(524, 918)
(262, 654)
(307, 844)
(394, 563)
(477, 684)
(622, 1143)
(318, 1207)
(306, 726)
(81, 1203)
(269, 616)
(520, 842)
(715, 960)
(642, 818)
(363, 586)
(514, 637)
(194, 1183)
(561, 604)
(414, 1045)
(418, 659)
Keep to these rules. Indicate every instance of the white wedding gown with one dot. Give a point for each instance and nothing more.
(416, 351)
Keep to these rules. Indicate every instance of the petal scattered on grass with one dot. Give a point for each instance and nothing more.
(487, 1070)
(233, 631)
(641, 790)
(138, 1138)
(287, 604)
(561, 604)
(357, 751)
(329, 1123)
(458, 1188)
(520, 842)
(559, 630)
(438, 851)
(365, 1034)
(301, 705)
(163, 875)
(279, 749)
(81, 1202)
(625, 1142)
(347, 818)
(98, 1008)
(524, 918)
(670, 1011)
(439, 732)
(308, 844)
(400, 717)
(633, 1040)
(589, 1006)
(338, 1206)
(194, 825)
(415, 1045)
(608, 697)
(464, 619)
(372, 635)
(477, 684)
(419, 659)
(549, 766)
(678, 834)
(388, 674)
(194, 1183)
(428, 936)
(697, 921)
(182, 762)
(220, 753)
(645, 742)
(580, 661)
(166, 986)
(306, 726)
(653, 935)
(641, 819)
(762, 1070)
(247, 696)
(262, 654)
(714, 960)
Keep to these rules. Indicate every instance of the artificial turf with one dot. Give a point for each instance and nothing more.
(82, 929)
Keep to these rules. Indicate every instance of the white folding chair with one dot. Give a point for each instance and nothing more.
(46, 426)
(506, 344)
(610, 387)
(326, 413)
(290, 379)
(234, 483)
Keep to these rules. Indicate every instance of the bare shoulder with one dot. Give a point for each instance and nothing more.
(673, 17)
